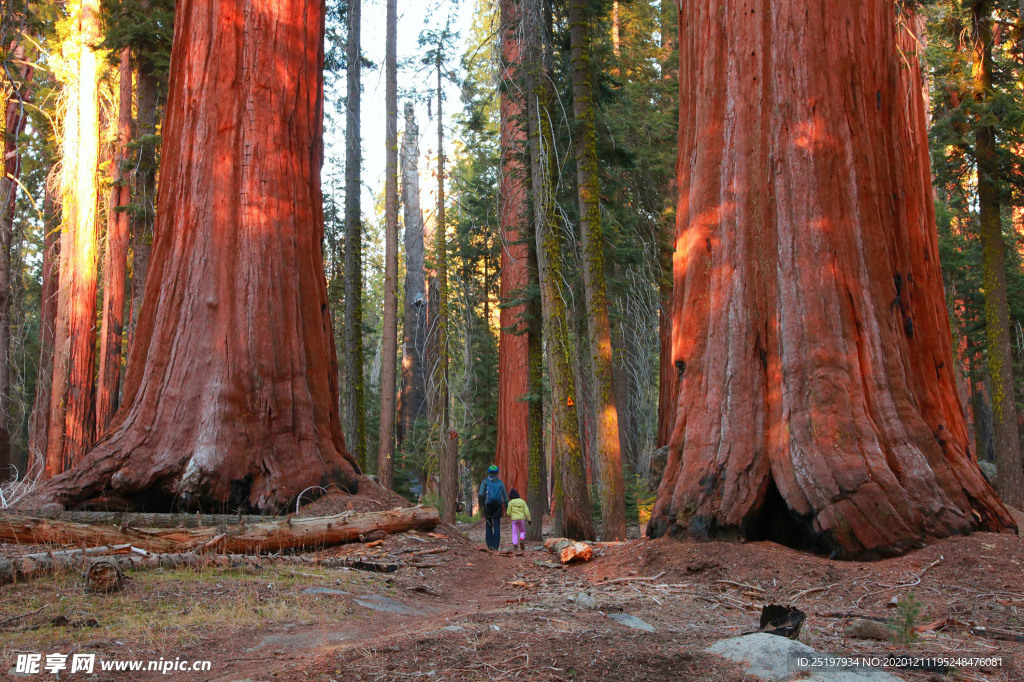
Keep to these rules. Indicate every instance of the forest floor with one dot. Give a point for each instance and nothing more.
(456, 611)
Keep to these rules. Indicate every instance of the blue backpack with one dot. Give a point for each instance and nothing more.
(493, 494)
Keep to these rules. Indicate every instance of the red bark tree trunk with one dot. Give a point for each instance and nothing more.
(513, 342)
(107, 393)
(231, 394)
(47, 317)
(818, 405)
(72, 399)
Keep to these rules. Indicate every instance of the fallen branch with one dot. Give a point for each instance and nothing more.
(1001, 635)
(812, 590)
(635, 578)
(256, 538)
(15, 619)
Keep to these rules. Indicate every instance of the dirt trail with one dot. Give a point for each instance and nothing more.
(644, 610)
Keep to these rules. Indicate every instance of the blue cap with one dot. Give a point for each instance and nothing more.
(493, 469)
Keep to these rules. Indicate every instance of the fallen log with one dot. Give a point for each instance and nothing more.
(35, 566)
(255, 538)
(569, 551)
(153, 519)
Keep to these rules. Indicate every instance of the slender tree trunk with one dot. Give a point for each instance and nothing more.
(353, 240)
(537, 482)
(449, 457)
(997, 319)
(386, 446)
(230, 399)
(609, 453)
(47, 316)
(414, 342)
(825, 414)
(14, 117)
(668, 379)
(143, 191)
(572, 499)
(107, 394)
(72, 408)
(513, 213)
(616, 39)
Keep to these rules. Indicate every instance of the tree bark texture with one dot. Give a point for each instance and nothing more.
(14, 118)
(1006, 434)
(818, 404)
(72, 400)
(568, 471)
(414, 341)
(448, 458)
(230, 399)
(609, 451)
(116, 260)
(386, 441)
(354, 240)
(39, 419)
(513, 213)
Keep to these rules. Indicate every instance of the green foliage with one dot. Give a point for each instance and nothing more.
(957, 115)
(904, 622)
(144, 26)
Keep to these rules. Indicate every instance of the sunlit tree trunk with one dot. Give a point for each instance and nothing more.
(353, 240)
(115, 261)
(413, 399)
(14, 117)
(386, 446)
(997, 319)
(513, 212)
(824, 414)
(609, 453)
(230, 398)
(572, 499)
(72, 412)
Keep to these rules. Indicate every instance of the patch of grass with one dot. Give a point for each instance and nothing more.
(165, 609)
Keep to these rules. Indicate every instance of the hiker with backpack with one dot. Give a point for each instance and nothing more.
(493, 499)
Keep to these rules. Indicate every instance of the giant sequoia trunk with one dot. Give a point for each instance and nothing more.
(230, 397)
(513, 210)
(817, 405)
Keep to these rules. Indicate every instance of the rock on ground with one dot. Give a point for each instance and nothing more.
(779, 659)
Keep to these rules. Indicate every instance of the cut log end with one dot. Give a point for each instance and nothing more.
(569, 551)
(104, 576)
